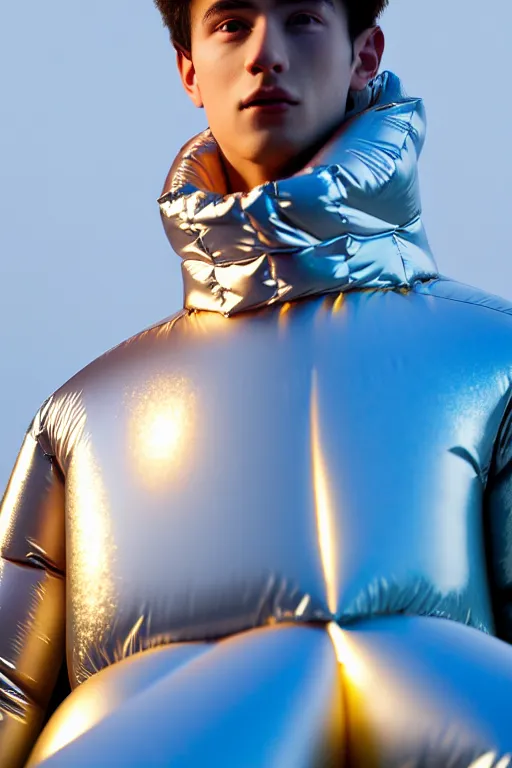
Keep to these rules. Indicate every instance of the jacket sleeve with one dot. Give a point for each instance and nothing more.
(498, 516)
(32, 597)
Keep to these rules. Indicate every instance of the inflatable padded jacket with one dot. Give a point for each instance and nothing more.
(322, 434)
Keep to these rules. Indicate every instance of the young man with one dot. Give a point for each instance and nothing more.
(284, 514)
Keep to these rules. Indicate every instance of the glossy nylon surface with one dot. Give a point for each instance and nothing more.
(321, 461)
(351, 219)
(399, 691)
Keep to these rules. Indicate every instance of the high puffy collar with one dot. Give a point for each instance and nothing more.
(348, 220)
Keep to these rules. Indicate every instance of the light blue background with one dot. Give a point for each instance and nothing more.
(91, 116)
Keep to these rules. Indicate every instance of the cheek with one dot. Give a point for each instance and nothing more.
(332, 73)
(215, 81)
(218, 103)
(324, 68)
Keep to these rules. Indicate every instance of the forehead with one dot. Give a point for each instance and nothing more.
(203, 10)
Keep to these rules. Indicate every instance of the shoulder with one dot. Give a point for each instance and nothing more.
(127, 352)
(60, 421)
(479, 302)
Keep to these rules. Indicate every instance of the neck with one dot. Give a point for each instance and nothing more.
(242, 176)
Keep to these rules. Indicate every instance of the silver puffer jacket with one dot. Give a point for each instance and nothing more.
(330, 441)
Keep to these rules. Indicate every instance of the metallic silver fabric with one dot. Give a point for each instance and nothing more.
(325, 461)
(392, 692)
(351, 219)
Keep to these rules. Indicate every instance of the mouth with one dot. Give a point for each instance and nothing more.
(269, 108)
(269, 105)
(275, 100)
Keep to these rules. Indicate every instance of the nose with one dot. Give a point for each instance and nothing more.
(267, 49)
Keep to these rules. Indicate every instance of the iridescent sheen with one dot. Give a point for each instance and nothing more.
(284, 514)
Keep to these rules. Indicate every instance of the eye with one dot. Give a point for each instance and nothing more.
(231, 26)
(304, 20)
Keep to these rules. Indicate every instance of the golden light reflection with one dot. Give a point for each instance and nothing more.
(161, 428)
(14, 490)
(353, 666)
(91, 552)
(161, 434)
(323, 502)
(338, 303)
(283, 318)
(79, 713)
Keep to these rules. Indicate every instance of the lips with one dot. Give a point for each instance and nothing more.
(268, 97)
(266, 102)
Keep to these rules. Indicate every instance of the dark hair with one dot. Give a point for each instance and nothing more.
(362, 14)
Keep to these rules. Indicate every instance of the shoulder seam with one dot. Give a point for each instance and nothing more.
(469, 304)
(160, 323)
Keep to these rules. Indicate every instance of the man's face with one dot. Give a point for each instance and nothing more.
(240, 47)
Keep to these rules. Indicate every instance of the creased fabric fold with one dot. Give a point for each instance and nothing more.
(350, 219)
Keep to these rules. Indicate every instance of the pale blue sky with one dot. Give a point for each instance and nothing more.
(92, 114)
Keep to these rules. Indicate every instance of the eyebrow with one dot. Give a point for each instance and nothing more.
(221, 6)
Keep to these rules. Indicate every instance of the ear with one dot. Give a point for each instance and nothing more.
(188, 76)
(368, 50)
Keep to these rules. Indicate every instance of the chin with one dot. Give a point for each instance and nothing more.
(274, 153)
